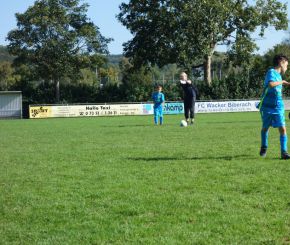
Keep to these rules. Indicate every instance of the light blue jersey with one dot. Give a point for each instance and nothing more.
(158, 98)
(272, 98)
(272, 105)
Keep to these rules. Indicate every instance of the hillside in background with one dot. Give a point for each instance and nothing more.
(5, 56)
(114, 59)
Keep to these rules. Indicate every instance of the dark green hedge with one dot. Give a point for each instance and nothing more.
(232, 87)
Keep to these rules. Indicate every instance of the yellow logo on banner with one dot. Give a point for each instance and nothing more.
(39, 112)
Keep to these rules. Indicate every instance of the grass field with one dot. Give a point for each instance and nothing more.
(122, 180)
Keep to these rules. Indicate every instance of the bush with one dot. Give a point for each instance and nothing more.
(232, 87)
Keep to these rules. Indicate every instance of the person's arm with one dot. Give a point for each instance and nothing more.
(153, 97)
(274, 84)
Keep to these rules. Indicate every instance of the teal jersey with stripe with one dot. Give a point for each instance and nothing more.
(272, 97)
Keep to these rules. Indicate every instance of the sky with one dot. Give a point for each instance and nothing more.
(103, 14)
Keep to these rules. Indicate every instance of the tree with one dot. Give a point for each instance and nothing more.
(56, 39)
(110, 74)
(283, 48)
(187, 32)
(7, 78)
(137, 84)
(4, 55)
(89, 77)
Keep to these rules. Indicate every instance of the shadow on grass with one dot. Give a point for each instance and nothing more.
(127, 126)
(226, 158)
(234, 122)
(171, 124)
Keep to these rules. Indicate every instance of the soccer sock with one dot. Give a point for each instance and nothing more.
(161, 120)
(155, 119)
(283, 142)
(264, 137)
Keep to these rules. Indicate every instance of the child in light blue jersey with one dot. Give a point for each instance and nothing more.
(272, 105)
(158, 99)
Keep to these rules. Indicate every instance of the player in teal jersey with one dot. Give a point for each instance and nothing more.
(158, 99)
(272, 105)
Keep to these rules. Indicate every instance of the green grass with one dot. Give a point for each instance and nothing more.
(121, 180)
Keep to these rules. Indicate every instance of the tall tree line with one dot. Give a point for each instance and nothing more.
(187, 32)
(55, 45)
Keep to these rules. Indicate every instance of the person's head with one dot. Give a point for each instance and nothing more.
(281, 61)
(158, 88)
(183, 76)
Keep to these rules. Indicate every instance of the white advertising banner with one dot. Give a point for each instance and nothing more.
(287, 104)
(84, 110)
(43, 111)
(226, 106)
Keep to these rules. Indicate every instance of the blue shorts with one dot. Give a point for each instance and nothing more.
(158, 111)
(274, 120)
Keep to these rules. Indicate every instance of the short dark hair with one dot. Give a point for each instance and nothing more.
(278, 58)
(158, 86)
